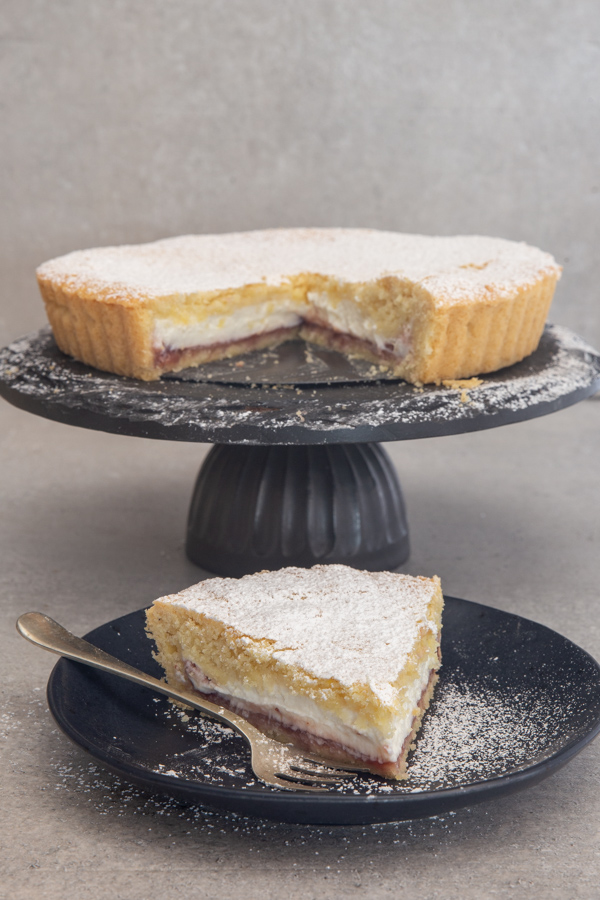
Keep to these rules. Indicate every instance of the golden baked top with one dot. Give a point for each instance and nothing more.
(450, 269)
(331, 621)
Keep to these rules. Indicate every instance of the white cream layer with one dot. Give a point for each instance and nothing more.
(245, 322)
(348, 318)
(303, 713)
(261, 318)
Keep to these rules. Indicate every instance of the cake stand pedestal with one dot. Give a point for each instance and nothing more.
(296, 476)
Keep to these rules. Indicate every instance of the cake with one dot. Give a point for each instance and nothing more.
(427, 308)
(334, 660)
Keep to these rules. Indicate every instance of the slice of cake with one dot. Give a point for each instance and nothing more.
(428, 308)
(337, 661)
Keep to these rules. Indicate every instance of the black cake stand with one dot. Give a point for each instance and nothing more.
(297, 475)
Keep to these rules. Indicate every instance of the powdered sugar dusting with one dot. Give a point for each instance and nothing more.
(450, 268)
(330, 621)
(473, 734)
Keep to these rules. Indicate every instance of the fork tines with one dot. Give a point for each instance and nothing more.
(315, 771)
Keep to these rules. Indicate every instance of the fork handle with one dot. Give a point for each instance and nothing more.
(46, 633)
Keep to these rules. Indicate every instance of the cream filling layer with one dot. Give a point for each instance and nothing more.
(304, 714)
(349, 318)
(244, 322)
(344, 316)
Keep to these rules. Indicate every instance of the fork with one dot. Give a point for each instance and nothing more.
(274, 763)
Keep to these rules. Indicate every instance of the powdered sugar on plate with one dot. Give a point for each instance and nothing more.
(468, 735)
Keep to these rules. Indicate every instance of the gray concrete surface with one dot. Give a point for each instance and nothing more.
(92, 526)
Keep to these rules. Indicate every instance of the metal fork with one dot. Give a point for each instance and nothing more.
(277, 764)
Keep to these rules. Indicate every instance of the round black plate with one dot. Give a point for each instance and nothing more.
(37, 377)
(514, 703)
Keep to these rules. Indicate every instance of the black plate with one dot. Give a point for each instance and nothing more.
(514, 703)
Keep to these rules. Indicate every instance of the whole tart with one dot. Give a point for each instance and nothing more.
(337, 661)
(427, 308)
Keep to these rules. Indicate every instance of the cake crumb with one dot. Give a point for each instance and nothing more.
(463, 385)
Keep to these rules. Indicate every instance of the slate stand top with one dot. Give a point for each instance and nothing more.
(295, 394)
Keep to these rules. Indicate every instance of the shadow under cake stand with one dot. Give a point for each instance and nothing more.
(297, 475)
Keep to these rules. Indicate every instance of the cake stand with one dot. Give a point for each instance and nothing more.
(297, 475)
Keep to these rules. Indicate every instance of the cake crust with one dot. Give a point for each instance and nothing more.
(449, 307)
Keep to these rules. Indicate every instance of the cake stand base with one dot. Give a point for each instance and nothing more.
(265, 507)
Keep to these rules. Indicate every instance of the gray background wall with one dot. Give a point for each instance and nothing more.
(129, 120)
